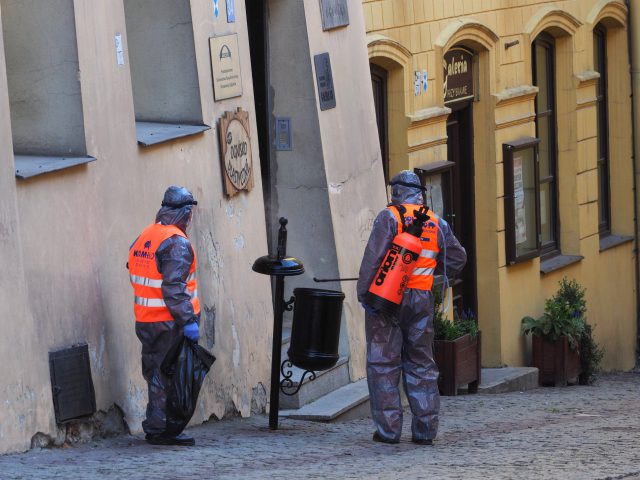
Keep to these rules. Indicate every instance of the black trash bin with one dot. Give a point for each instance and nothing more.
(315, 332)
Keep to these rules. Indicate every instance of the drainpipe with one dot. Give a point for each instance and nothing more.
(633, 31)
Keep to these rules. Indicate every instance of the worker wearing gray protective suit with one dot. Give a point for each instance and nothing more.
(162, 266)
(404, 344)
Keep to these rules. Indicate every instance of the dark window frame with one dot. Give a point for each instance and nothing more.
(380, 77)
(603, 162)
(508, 150)
(551, 247)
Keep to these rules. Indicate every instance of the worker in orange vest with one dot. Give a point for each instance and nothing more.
(162, 270)
(403, 343)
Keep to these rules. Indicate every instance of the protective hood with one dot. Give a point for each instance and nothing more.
(176, 207)
(403, 193)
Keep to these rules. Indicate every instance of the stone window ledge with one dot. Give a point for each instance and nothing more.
(611, 241)
(559, 261)
(28, 166)
(153, 133)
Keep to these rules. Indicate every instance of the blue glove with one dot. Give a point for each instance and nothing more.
(370, 310)
(192, 331)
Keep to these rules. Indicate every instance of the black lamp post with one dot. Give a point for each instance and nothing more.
(278, 266)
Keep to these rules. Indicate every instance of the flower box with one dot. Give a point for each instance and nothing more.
(459, 364)
(556, 361)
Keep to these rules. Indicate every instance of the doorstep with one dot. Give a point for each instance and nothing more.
(507, 379)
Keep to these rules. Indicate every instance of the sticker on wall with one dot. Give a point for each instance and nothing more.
(225, 67)
(425, 81)
(119, 49)
(216, 11)
(231, 11)
(235, 152)
(417, 87)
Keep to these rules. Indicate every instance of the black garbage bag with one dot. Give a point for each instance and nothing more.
(186, 365)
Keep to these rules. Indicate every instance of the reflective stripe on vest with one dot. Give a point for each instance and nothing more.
(422, 276)
(148, 302)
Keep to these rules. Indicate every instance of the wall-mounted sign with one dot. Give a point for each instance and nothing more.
(235, 152)
(283, 133)
(326, 93)
(458, 75)
(231, 11)
(334, 14)
(225, 67)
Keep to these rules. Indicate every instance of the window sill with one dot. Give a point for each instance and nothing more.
(28, 166)
(152, 133)
(612, 241)
(559, 261)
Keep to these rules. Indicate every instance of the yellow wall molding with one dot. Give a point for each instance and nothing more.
(514, 121)
(383, 46)
(552, 19)
(425, 145)
(467, 29)
(613, 13)
(587, 78)
(509, 96)
(428, 116)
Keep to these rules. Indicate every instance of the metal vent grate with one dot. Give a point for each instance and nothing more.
(73, 394)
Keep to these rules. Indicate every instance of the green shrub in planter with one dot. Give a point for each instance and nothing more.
(565, 316)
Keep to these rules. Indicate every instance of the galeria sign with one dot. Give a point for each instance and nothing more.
(235, 146)
(458, 75)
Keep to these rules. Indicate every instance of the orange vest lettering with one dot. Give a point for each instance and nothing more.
(148, 303)
(422, 276)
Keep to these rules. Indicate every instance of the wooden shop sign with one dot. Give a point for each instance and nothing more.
(235, 150)
(458, 75)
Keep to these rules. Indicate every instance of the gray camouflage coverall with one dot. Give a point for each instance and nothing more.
(174, 258)
(404, 344)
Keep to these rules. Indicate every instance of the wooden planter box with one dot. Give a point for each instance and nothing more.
(459, 364)
(556, 362)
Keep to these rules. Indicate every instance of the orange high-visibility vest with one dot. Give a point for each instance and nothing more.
(422, 276)
(148, 303)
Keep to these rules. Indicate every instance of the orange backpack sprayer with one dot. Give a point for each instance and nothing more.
(390, 282)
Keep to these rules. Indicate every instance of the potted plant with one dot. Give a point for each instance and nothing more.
(456, 350)
(559, 334)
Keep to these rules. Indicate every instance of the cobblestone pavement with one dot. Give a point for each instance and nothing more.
(548, 433)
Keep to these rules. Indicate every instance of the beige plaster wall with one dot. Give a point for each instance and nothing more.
(25, 398)
(65, 238)
(412, 35)
(351, 157)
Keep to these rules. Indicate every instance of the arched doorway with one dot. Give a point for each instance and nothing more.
(460, 65)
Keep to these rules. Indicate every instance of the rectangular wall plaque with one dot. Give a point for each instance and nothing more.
(283, 133)
(225, 67)
(324, 78)
(334, 14)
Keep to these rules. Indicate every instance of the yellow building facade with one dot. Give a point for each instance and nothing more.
(516, 115)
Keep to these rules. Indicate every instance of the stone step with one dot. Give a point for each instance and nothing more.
(507, 379)
(346, 403)
(325, 382)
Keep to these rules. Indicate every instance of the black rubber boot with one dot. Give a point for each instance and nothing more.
(161, 439)
(379, 438)
(422, 441)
